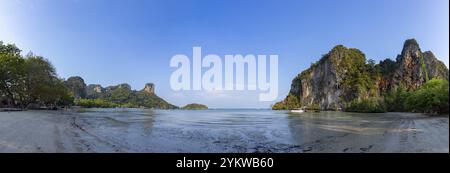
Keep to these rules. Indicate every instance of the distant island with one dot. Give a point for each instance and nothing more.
(344, 80)
(195, 106)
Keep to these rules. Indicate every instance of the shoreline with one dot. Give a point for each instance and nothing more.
(81, 110)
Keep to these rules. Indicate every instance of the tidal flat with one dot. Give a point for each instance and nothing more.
(228, 130)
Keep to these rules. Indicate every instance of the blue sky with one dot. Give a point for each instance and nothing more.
(115, 41)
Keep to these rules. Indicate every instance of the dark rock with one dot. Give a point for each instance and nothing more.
(77, 86)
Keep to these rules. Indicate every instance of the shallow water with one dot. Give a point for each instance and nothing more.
(137, 130)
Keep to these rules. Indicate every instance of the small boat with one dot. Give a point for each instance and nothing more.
(297, 111)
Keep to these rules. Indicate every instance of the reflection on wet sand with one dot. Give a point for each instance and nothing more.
(141, 130)
(356, 132)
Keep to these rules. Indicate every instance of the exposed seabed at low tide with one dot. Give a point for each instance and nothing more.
(138, 130)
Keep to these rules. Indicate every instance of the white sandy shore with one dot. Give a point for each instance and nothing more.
(64, 131)
(45, 131)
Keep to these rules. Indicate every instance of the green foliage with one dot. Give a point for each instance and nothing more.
(62, 95)
(123, 96)
(30, 80)
(95, 103)
(432, 98)
(150, 100)
(313, 107)
(370, 105)
(119, 95)
(387, 68)
(291, 102)
(395, 99)
(358, 78)
(11, 74)
(279, 106)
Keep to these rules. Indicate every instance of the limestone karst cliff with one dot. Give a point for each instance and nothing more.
(344, 74)
(121, 94)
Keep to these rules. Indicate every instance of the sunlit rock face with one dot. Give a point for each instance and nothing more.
(149, 88)
(343, 74)
(415, 66)
(94, 90)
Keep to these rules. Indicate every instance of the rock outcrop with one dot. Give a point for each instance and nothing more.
(77, 86)
(343, 75)
(94, 91)
(121, 94)
(416, 67)
(149, 88)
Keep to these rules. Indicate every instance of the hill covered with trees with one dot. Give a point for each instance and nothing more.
(195, 106)
(121, 95)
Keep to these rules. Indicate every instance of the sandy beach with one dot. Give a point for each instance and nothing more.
(142, 131)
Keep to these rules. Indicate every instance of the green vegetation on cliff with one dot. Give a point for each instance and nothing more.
(291, 102)
(358, 77)
(123, 96)
(195, 106)
(343, 79)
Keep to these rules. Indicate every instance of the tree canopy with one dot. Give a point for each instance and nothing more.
(29, 80)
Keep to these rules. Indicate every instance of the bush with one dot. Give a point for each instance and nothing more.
(291, 102)
(432, 98)
(370, 105)
(395, 99)
(95, 103)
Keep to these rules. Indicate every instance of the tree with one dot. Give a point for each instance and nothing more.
(395, 99)
(432, 97)
(291, 102)
(40, 78)
(32, 79)
(369, 105)
(11, 74)
(63, 96)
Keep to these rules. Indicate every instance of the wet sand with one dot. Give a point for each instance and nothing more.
(229, 131)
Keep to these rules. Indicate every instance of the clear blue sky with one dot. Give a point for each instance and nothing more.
(115, 41)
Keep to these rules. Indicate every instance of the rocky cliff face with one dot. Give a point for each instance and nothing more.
(149, 88)
(329, 83)
(94, 91)
(416, 67)
(319, 85)
(77, 86)
(343, 75)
